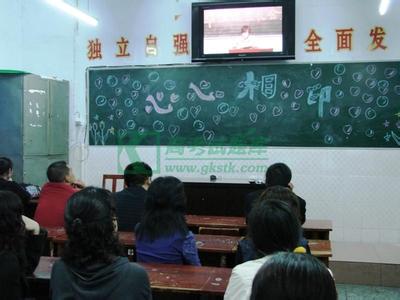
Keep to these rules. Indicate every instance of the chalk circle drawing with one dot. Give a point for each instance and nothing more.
(295, 106)
(354, 111)
(136, 85)
(357, 76)
(284, 95)
(339, 94)
(128, 102)
(298, 93)
(134, 111)
(134, 95)
(334, 111)
(219, 94)
(367, 98)
(191, 96)
(174, 98)
(112, 103)
(261, 108)
(182, 113)
(328, 139)
(119, 113)
(146, 88)
(355, 91)
(198, 125)
(118, 91)
(337, 80)
(159, 96)
(369, 133)
(204, 84)
(383, 87)
(370, 113)
(158, 126)
(173, 130)
(122, 133)
(148, 108)
(347, 129)
(200, 94)
(286, 83)
(208, 136)
(396, 138)
(382, 101)
(223, 108)
(316, 73)
(315, 125)
(216, 119)
(169, 84)
(371, 69)
(112, 81)
(233, 110)
(253, 117)
(130, 124)
(277, 111)
(371, 82)
(396, 89)
(98, 82)
(390, 73)
(339, 69)
(153, 76)
(195, 110)
(125, 79)
(101, 100)
(141, 130)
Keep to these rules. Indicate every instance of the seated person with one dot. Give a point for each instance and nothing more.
(55, 194)
(6, 183)
(21, 244)
(293, 276)
(163, 236)
(130, 201)
(92, 266)
(273, 227)
(246, 40)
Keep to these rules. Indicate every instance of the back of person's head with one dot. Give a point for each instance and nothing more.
(283, 194)
(89, 222)
(5, 166)
(58, 171)
(278, 174)
(137, 173)
(273, 227)
(292, 276)
(11, 225)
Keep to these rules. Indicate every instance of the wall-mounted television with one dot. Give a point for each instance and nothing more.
(243, 30)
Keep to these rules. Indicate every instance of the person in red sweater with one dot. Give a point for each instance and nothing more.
(55, 194)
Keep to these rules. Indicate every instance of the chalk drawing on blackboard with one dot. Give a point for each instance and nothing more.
(169, 85)
(136, 85)
(357, 76)
(371, 82)
(130, 124)
(334, 111)
(339, 69)
(328, 139)
(98, 82)
(101, 100)
(390, 72)
(191, 96)
(253, 117)
(148, 109)
(268, 85)
(369, 133)
(112, 103)
(125, 79)
(158, 126)
(370, 113)
(141, 130)
(284, 95)
(174, 98)
(315, 125)
(396, 138)
(195, 110)
(119, 113)
(316, 73)
(159, 96)
(371, 69)
(367, 98)
(249, 86)
(200, 94)
(96, 117)
(286, 83)
(112, 81)
(233, 110)
(134, 94)
(383, 87)
(182, 113)
(173, 130)
(122, 133)
(216, 119)
(223, 108)
(387, 137)
(98, 134)
(339, 94)
(298, 93)
(128, 102)
(355, 91)
(386, 124)
(204, 84)
(337, 80)
(396, 89)
(198, 125)
(219, 94)
(382, 101)
(111, 117)
(354, 111)
(398, 124)
(118, 91)
(158, 109)
(153, 76)
(208, 136)
(323, 96)
(134, 111)
(277, 111)
(347, 129)
(261, 108)
(146, 88)
(295, 106)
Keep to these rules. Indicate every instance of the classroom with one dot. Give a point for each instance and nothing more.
(188, 93)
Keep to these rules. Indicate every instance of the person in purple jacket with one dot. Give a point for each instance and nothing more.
(163, 236)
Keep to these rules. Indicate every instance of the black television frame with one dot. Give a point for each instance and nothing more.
(288, 31)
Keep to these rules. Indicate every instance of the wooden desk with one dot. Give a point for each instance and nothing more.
(163, 277)
(317, 229)
(321, 249)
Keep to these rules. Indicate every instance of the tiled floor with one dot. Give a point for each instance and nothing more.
(361, 292)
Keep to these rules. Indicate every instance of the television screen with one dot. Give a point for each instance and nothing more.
(243, 30)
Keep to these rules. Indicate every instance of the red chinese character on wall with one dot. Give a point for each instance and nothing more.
(312, 42)
(151, 45)
(181, 43)
(122, 47)
(94, 49)
(377, 34)
(344, 39)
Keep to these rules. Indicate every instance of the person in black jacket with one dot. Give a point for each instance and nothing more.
(21, 244)
(92, 266)
(130, 201)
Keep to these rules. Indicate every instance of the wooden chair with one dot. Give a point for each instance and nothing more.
(219, 231)
(114, 178)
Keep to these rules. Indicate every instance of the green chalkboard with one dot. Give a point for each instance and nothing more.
(310, 105)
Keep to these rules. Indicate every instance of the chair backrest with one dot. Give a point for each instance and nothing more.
(219, 231)
(113, 178)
